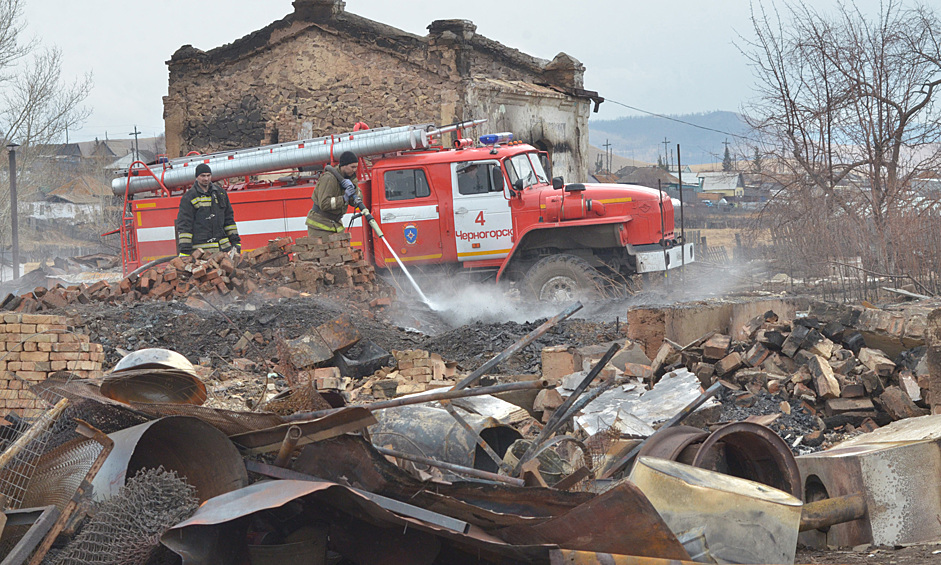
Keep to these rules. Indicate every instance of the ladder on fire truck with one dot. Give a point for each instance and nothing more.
(179, 174)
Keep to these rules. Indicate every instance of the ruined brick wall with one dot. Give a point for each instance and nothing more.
(35, 346)
(310, 84)
(320, 70)
(548, 120)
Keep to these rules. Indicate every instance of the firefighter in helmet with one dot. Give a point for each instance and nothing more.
(336, 188)
(205, 220)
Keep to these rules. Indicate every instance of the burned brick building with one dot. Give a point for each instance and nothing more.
(321, 69)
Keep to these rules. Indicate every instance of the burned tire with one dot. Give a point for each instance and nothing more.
(561, 278)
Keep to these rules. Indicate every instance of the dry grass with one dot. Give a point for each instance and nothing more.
(726, 237)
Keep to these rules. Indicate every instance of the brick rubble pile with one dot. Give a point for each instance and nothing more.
(310, 264)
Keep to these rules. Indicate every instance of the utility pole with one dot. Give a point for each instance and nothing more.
(666, 152)
(607, 154)
(135, 133)
(13, 219)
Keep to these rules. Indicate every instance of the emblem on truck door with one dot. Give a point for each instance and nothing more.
(411, 234)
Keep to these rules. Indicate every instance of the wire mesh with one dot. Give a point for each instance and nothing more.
(29, 440)
(126, 528)
(59, 472)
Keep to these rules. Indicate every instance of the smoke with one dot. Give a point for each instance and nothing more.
(455, 301)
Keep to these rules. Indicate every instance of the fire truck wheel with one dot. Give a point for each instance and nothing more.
(561, 278)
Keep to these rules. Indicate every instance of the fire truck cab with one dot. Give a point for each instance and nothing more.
(495, 207)
(488, 206)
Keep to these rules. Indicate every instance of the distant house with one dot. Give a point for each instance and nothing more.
(121, 164)
(927, 184)
(603, 177)
(652, 177)
(675, 170)
(79, 199)
(726, 184)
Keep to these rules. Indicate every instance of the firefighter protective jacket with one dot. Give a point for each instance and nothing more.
(206, 221)
(329, 205)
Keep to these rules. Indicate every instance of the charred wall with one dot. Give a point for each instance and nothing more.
(321, 69)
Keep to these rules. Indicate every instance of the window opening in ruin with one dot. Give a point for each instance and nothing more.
(406, 184)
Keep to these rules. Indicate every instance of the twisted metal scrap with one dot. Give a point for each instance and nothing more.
(126, 528)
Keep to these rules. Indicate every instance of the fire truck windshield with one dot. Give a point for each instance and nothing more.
(526, 167)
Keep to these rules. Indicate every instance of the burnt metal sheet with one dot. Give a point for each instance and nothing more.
(752, 452)
(621, 521)
(488, 506)
(213, 534)
(189, 446)
(154, 386)
(896, 468)
(432, 432)
(390, 504)
(740, 521)
(338, 423)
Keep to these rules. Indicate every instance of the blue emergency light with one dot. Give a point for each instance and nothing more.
(495, 138)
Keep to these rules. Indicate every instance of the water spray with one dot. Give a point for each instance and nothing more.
(364, 211)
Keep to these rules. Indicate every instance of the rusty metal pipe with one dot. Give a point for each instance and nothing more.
(526, 340)
(443, 394)
(288, 446)
(830, 511)
(460, 469)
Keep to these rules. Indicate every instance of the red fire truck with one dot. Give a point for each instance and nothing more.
(486, 205)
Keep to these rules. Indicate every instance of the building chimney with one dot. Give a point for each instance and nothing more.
(565, 71)
(318, 10)
(461, 30)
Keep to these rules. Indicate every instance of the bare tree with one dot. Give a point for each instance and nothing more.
(847, 111)
(37, 105)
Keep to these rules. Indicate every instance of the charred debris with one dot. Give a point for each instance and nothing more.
(811, 428)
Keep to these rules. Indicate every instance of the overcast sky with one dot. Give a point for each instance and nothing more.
(668, 56)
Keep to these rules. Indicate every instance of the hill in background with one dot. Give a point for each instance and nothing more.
(641, 137)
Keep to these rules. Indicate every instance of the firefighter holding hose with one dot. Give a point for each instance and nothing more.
(205, 219)
(335, 189)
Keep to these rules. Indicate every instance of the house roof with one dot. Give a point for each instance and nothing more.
(81, 190)
(123, 163)
(604, 177)
(721, 181)
(648, 176)
(105, 148)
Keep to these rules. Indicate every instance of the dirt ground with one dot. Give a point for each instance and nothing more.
(725, 237)
(911, 555)
(210, 334)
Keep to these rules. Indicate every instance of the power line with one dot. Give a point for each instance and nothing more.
(684, 122)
